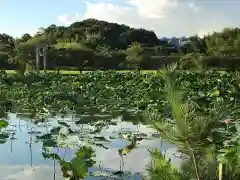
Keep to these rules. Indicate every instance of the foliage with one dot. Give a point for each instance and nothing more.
(3, 124)
(113, 46)
(159, 167)
(193, 61)
(200, 133)
(129, 147)
(77, 168)
(135, 56)
(191, 118)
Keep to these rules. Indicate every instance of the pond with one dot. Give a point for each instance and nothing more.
(22, 147)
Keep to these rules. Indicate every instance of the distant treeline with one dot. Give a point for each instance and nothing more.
(93, 44)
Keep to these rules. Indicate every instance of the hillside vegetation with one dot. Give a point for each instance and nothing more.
(93, 44)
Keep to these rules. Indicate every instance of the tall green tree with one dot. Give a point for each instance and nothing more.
(134, 56)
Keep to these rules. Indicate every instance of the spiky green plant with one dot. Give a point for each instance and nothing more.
(160, 167)
(199, 136)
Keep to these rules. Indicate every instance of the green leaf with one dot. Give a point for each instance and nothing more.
(215, 93)
(79, 168)
(128, 148)
(3, 124)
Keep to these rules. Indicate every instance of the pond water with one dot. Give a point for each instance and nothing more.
(21, 155)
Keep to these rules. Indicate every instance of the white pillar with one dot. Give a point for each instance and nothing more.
(37, 59)
(45, 58)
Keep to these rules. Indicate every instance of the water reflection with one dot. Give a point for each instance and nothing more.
(21, 155)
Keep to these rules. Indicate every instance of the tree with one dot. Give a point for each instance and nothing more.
(198, 44)
(104, 41)
(7, 43)
(24, 38)
(193, 61)
(134, 56)
(73, 54)
(23, 53)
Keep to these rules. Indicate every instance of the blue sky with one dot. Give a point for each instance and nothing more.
(165, 17)
(18, 16)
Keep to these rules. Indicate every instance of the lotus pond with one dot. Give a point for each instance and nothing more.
(96, 125)
(28, 149)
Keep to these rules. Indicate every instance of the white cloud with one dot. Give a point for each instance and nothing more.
(165, 17)
(67, 19)
(202, 33)
(33, 32)
(153, 8)
(23, 172)
(107, 11)
(193, 6)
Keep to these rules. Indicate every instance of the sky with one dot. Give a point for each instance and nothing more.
(166, 18)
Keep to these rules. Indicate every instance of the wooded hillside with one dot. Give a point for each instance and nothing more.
(99, 44)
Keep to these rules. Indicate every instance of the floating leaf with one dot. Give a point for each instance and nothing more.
(100, 174)
(101, 145)
(100, 138)
(55, 130)
(34, 132)
(64, 124)
(3, 138)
